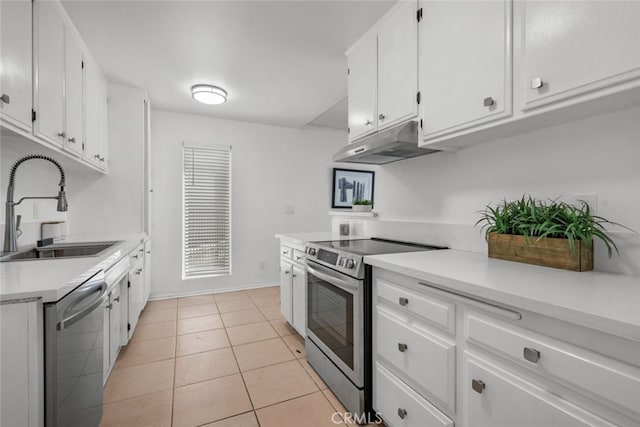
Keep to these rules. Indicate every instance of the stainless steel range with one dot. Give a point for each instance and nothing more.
(339, 305)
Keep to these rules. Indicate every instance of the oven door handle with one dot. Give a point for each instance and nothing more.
(341, 283)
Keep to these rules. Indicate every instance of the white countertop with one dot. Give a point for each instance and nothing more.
(320, 236)
(53, 279)
(603, 301)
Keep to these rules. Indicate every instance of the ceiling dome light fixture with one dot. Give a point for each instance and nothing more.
(208, 94)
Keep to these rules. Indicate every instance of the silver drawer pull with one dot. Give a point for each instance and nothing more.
(537, 83)
(298, 257)
(381, 117)
(117, 299)
(531, 354)
(403, 301)
(402, 347)
(488, 102)
(478, 386)
(5, 98)
(402, 413)
(286, 272)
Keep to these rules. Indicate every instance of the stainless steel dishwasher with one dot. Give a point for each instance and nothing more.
(73, 355)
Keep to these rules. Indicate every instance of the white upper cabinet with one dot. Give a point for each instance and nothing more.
(362, 89)
(15, 64)
(465, 64)
(398, 66)
(95, 112)
(49, 73)
(571, 48)
(383, 73)
(74, 93)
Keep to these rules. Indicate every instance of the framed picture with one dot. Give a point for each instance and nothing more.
(350, 185)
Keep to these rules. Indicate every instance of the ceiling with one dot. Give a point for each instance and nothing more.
(282, 62)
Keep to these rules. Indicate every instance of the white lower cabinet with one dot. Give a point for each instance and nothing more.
(495, 397)
(136, 288)
(401, 406)
(492, 365)
(293, 286)
(405, 345)
(21, 364)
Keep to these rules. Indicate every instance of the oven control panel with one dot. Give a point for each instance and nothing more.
(338, 260)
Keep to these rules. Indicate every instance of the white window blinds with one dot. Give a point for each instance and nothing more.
(206, 211)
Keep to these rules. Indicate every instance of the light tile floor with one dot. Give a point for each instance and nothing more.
(221, 360)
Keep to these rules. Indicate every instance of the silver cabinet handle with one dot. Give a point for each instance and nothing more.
(298, 257)
(402, 413)
(287, 272)
(293, 275)
(117, 299)
(403, 301)
(381, 116)
(62, 134)
(478, 386)
(488, 102)
(109, 306)
(97, 156)
(5, 98)
(402, 347)
(101, 159)
(531, 354)
(73, 140)
(148, 252)
(284, 252)
(537, 83)
(368, 123)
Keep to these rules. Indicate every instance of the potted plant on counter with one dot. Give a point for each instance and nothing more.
(552, 234)
(362, 206)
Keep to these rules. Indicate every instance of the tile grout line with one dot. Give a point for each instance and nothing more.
(246, 389)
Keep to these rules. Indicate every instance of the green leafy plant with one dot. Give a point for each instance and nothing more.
(529, 217)
(362, 202)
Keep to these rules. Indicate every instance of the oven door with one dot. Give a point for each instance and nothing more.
(335, 318)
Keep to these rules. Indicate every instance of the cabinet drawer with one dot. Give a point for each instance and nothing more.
(402, 407)
(433, 310)
(495, 397)
(423, 358)
(592, 373)
(286, 252)
(298, 256)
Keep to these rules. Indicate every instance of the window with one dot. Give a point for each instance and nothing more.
(206, 211)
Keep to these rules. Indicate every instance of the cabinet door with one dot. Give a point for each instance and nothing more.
(49, 73)
(21, 364)
(15, 57)
(465, 68)
(574, 47)
(115, 324)
(363, 89)
(103, 123)
(92, 113)
(495, 397)
(74, 93)
(147, 271)
(136, 296)
(299, 297)
(286, 294)
(398, 66)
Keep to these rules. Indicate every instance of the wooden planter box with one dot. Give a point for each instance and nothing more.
(548, 252)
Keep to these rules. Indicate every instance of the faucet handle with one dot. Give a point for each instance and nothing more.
(18, 231)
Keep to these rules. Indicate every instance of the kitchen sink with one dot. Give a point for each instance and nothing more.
(59, 251)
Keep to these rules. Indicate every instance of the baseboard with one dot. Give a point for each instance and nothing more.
(207, 292)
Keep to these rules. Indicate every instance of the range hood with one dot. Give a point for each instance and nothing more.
(389, 145)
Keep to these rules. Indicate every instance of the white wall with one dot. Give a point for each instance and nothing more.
(436, 198)
(272, 167)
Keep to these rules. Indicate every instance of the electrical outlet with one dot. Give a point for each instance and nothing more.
(290, 210)
(36, 210)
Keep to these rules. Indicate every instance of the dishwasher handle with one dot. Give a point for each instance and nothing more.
(91, 294)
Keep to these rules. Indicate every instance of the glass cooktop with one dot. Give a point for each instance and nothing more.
(375, 246)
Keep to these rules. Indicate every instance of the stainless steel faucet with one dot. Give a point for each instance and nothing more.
(10, 226)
